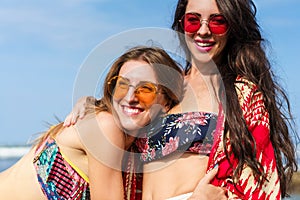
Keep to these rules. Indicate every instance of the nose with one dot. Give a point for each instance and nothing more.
(204, 28)
(130, 95)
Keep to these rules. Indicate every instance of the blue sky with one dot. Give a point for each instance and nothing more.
(44, 43)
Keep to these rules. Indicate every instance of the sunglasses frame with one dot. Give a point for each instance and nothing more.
(136, 92)
(201, 21)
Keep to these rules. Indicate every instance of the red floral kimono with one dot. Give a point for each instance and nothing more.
(257, 119)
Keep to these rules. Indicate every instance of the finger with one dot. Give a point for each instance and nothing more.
(225, 190)
(91, 100)
(210, 175)
(82, 113)
(207, 178)
(67, 121)
(74, 118)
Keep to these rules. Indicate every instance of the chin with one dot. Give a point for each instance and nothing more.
(130, 124)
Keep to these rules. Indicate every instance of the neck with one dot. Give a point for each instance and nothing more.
(129, 139)
(204, 68)
(208, 79)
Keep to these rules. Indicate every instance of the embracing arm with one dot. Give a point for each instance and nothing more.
(105, 182)
(205, 190)
(104, 143)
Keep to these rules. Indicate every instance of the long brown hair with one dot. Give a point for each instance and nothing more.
(170, 76)
(245, 55)
(168, 72)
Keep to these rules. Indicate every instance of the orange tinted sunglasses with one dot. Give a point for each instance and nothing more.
(145, 91)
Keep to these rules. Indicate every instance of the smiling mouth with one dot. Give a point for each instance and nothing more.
(131, 111)
(204, 44)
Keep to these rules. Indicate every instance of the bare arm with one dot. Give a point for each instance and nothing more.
(104, 144)
(205, 190)
(105, 182)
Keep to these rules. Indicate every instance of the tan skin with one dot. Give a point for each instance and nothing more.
(185, 173)
(182, 175)
(20, 181)
(105, 178)
(28, 188)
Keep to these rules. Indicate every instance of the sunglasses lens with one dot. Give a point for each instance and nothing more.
(145, 92)
(191, 23)
(121, 88)
(146, 88)
(218, 25)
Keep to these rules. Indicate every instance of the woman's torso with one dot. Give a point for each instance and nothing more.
(179, 176)
(182, 171)
(175, 154)
(61, 166)
(20, 181)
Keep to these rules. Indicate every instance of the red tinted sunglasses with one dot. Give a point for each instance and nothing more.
(191, 22)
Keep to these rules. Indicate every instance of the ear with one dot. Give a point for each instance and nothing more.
(166, 108)
(163, 101)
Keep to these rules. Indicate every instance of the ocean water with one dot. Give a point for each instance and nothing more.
(10, 155)
(7, 162)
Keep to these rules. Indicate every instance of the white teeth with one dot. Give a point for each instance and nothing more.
(203, 44)
(131, 110)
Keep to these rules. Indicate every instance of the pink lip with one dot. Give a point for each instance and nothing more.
(204, 49)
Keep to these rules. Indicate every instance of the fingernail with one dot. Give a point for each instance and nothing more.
(216, 166)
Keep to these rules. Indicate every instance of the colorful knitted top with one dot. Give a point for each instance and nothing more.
(59, 178)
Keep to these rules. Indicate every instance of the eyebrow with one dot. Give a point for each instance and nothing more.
(139, 83)
(198, 14)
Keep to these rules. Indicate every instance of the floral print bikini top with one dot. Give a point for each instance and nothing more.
(185, 132)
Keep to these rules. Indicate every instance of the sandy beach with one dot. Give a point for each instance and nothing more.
(295, 186)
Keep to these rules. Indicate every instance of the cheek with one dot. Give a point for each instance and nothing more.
(115, 106)
(189, 38)
(221, 46)
(222, 41)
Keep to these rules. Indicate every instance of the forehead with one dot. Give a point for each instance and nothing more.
(137, 71)
(203, 7)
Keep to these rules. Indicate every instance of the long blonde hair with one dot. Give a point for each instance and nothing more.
(170, 77)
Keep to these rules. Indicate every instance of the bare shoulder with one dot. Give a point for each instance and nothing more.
(107, 120)
(111, 129)
(101, 127)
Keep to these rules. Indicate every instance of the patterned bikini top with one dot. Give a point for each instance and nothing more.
(185, 132)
